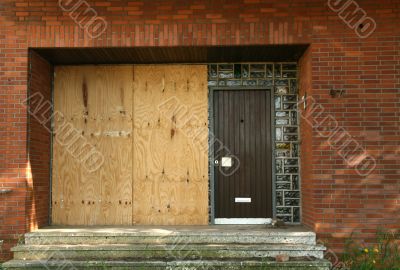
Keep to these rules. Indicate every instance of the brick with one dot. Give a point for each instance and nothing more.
(367, 69)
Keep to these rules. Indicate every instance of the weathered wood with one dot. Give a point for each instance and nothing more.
(97, 102)
(170, 165)
(153, 141)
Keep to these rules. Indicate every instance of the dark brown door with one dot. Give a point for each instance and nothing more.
(242, 154)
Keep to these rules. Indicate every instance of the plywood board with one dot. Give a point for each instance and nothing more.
(96, 103)
(150, 125)
(170, 145)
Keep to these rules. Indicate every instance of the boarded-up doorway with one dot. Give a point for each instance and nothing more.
(130, 145)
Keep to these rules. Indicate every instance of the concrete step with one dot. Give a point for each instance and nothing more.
(294, 264)
(165, 251)
(257, 235)
(168, 247)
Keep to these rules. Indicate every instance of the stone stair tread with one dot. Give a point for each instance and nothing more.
(181, 247)
(145, 231)
(123, 248)
(226, 264)
(243, 239)
(154, 234)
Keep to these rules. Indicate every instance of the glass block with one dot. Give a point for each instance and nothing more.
(282, 83)
(282, 145)
(245, 71)
(284, 210)
(226, 75)
(237, 70)
(283, 185)
(290, 137)
(292, 194)
(279, 198)
(269, 70)
(278, 103)
(212, 83)
(225, 67)
(278, 134)
(287, 219)
(281, 90)
(257, 68)
(225, 71)
(233, 83)
(295, 182)
(290, 129)
(250, 82)
(212, 71)
(293, 118)
(257, 75)
(289, 66)
(282, 114)
(296, 214)
(289, 74)
(293, 87)
(295, 150)
(292, 202)
(291, 161)
(283, 178)
(289, 106)
(278, 166)
(291, 170)
(277, 70)
(282, 153)
(266, 83)
(281, 121)
(290, 98)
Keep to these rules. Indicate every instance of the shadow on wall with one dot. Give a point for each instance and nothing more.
(39, 143)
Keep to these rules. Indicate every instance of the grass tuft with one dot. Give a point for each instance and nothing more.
(384, 254)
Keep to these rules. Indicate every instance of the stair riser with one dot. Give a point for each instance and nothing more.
(93, 240)
(161, 254)
(203, 265)
(232, 267)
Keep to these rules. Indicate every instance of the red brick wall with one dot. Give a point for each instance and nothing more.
(336, 200)
(27, 206)
(306, 154)
(39, 141)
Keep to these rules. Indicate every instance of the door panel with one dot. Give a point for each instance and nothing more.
(242, 127)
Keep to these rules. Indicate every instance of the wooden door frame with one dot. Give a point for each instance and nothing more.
(211, 157)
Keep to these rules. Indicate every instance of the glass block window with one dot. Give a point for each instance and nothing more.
(282, 79)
